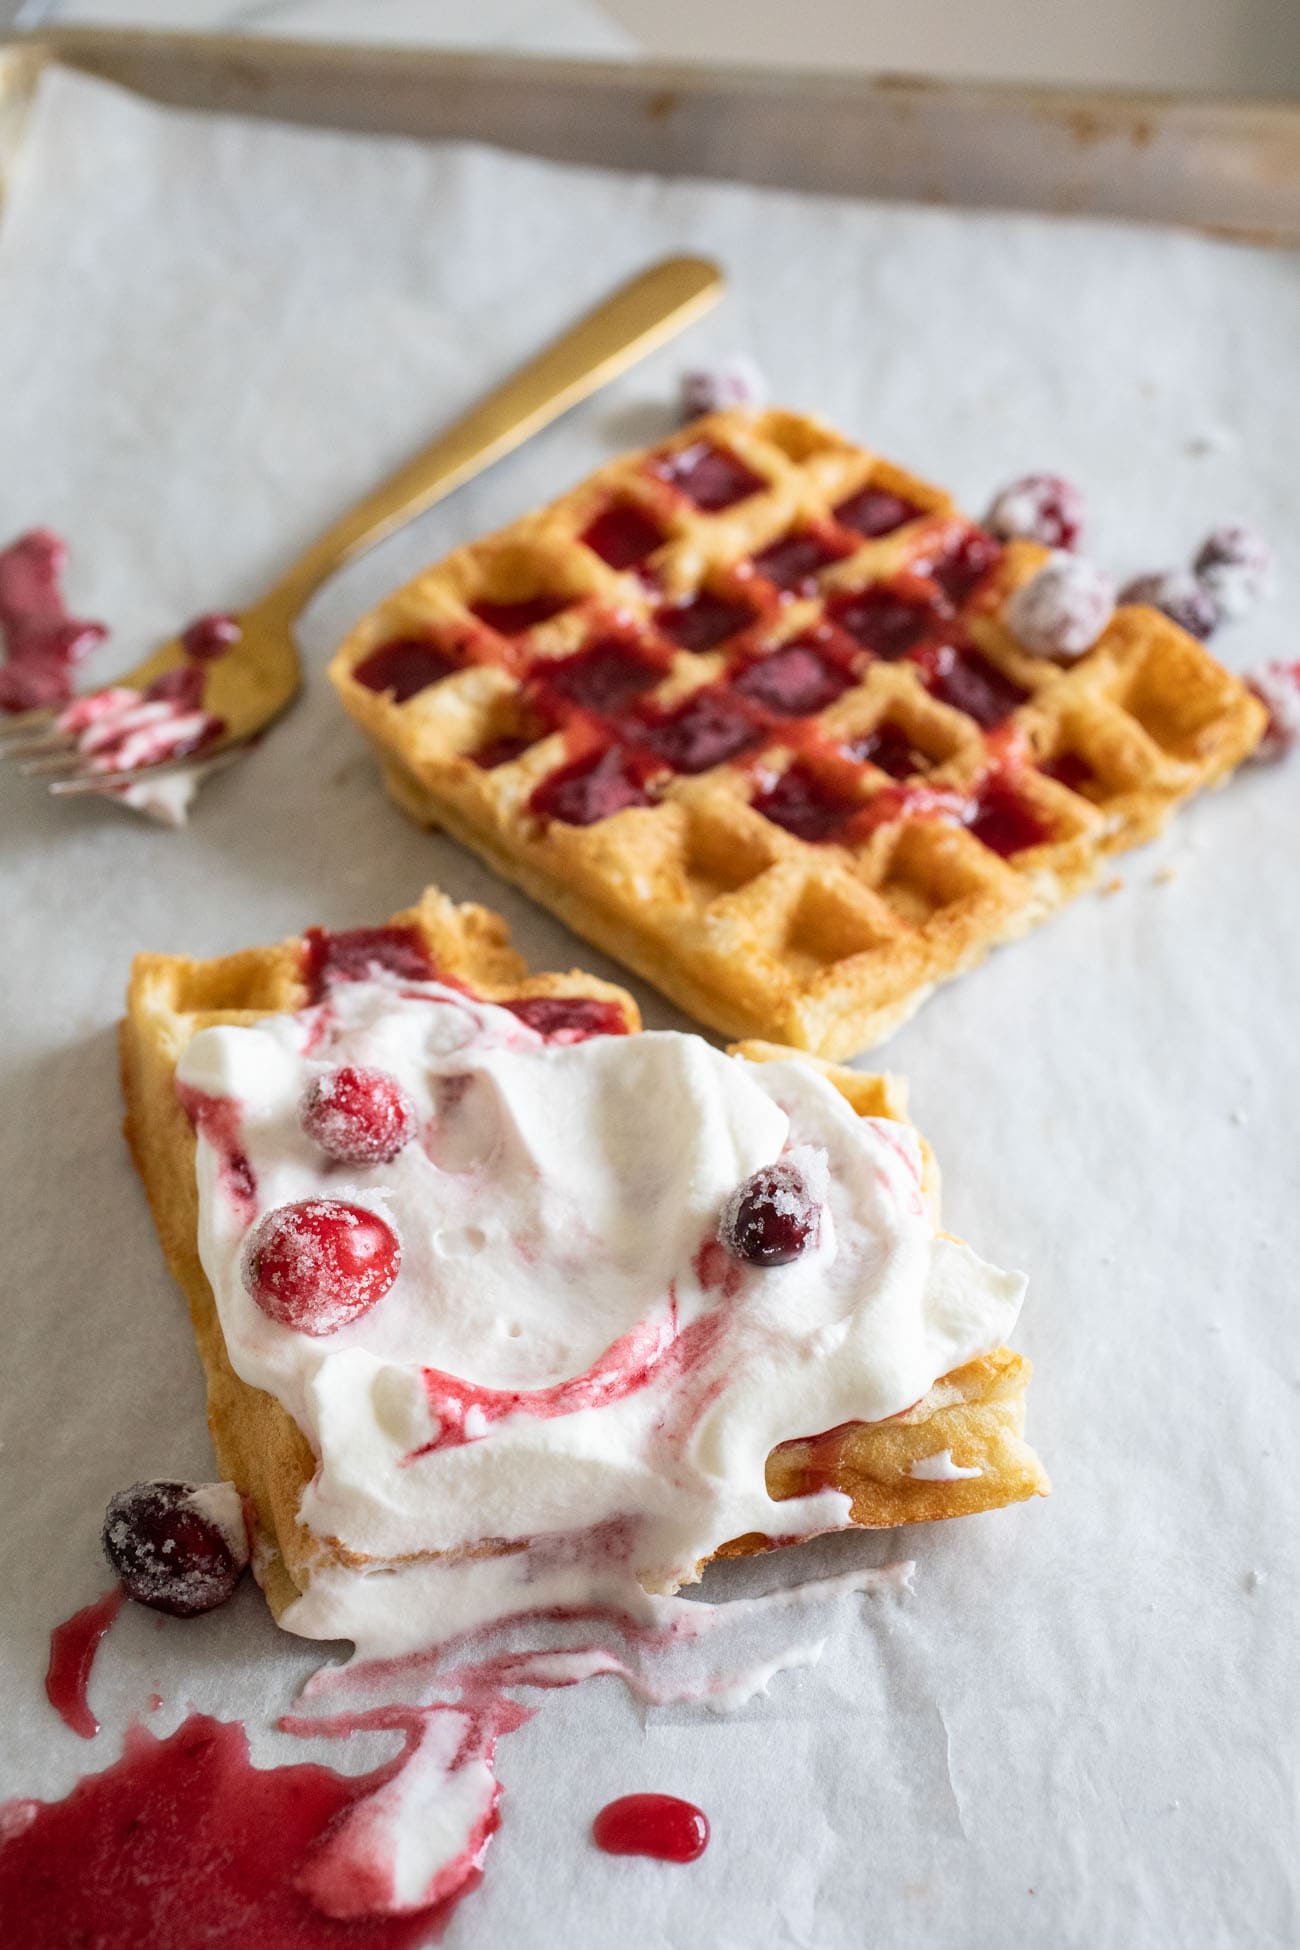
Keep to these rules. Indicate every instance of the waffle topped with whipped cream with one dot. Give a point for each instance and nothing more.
(745, 709)
(482, 1276)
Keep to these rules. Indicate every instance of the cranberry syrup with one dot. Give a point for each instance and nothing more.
(73, 1646)
(658, 1825)
(42, 640)
(183, 1844)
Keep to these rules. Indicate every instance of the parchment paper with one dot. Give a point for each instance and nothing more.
(1081, 1728)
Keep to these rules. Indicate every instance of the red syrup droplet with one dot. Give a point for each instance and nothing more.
(569, 1018)
(42, 641)
(405, 667)
(887, 624)
(710, 728)
(184, 1844)
(604, 677)
(792, 563)
(795, 681)
(622, 535)
(875, 511)
(658, 1825)
(704, 622)
(712, 477)
(1005, 822)
(513, 619)
(354, 954)
(73, 1646)
(592, 788)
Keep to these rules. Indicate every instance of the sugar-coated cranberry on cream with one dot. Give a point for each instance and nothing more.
(179, 1548)
(316, 1265)
(729, 383)
(1042, 508)
(358, 1116)
(1061, 611)
(776, 1215)
(1180, 596)
(1235, 564)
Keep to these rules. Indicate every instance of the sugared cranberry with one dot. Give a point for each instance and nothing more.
(882, 622)
(1277, 686)
(604, 677)
(873, 512)
(722, 387)
(710, 728)
(703, 622)
(210, 636)
(776, 1214)
(794, 681)
(317, 1265)
(590, 789)
(358, 1117)
(1181, 597)
(712, 477)
(179, 1548)
(405, 667)
(1235, 563)
(1062, 610)
(1042, 508)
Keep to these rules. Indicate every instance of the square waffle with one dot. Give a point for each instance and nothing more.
(743, 711)
(976, 1413)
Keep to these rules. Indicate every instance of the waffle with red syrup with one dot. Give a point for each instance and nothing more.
(976, 1413)
(743, 710)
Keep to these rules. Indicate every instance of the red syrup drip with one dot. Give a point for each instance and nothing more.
(592, 788)
(219, 1120)
(1006, 823)
(353, 954)
(626, 1365)
(657, 1825)
(964, 565)
(405, 667)
(791, 564)
(887, 624)
(42, 641)
(970, 683)
(211, 636)
(890, 749)
(605, 677)
(710, 728)
(875, 511)
(806, 805)
(703, 622)
(622, 535)
(794, 681)
(503, 750)
(712, 477)
(184, 1845)
(73, 1646)
(513, 619)
(569, 1018)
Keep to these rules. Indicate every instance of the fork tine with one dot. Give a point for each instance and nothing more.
(82, 782)
(38, 745)
(67, 760)
(23, 724)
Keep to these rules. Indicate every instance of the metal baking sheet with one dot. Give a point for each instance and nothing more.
(1230, 166)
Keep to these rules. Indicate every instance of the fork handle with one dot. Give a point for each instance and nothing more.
(640, 316)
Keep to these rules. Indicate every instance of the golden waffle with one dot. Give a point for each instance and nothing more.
(742, 710)
(977, 1412)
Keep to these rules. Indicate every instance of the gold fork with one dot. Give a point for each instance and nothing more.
(256, 679)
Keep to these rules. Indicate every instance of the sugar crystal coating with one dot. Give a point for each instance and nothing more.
(358, 1116)
(179, 1548)
(1062, 610)
(1042, 508)
(317, 1265)
(775, 1216)
(1235, 563)
(1180, 596)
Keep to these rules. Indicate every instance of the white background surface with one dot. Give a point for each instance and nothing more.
(1080, 1730)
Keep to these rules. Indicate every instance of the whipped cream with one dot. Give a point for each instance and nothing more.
(940, 1468)
(569, 1392)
